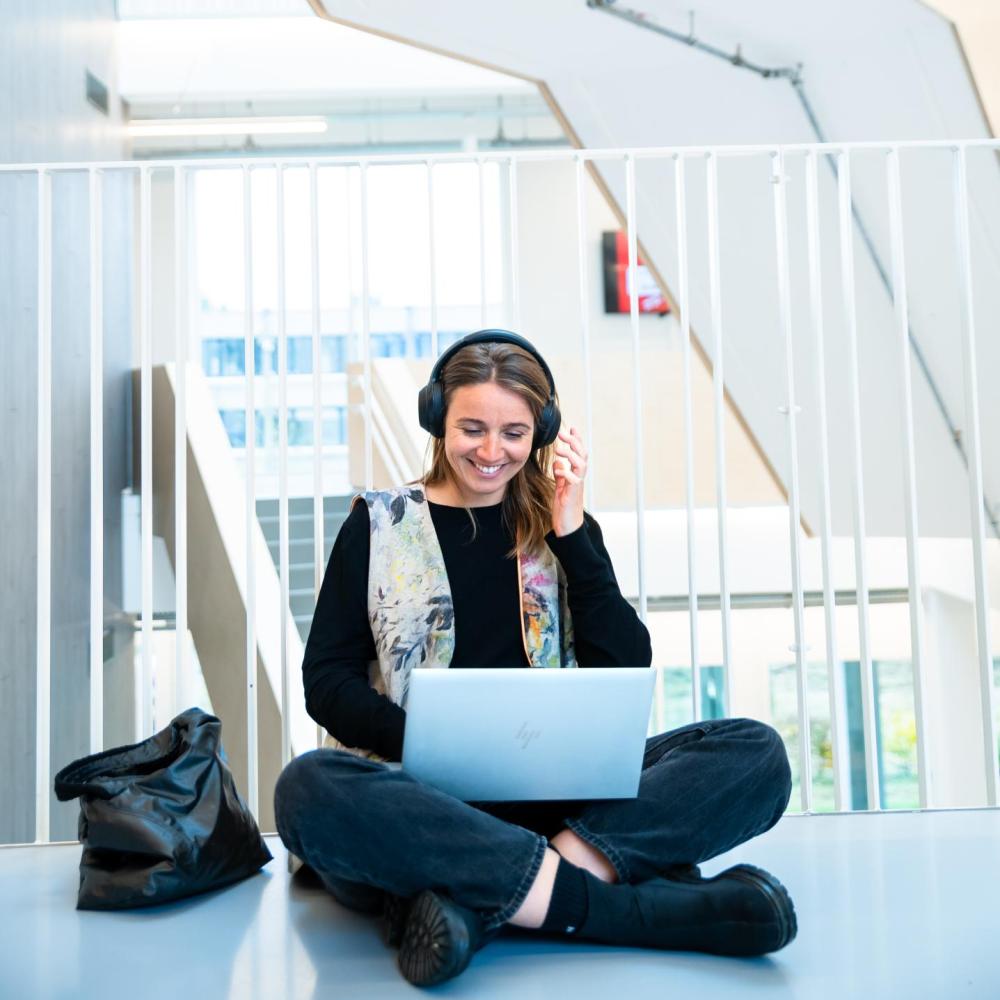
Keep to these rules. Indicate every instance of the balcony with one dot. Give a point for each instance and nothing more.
(763, 498)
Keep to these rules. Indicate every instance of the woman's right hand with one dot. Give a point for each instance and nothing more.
(569, 467)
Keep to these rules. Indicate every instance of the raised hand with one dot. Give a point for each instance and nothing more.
(568, 468)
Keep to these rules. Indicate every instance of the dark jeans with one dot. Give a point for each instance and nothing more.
(368, 829)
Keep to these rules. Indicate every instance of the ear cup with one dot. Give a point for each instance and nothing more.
(548, 425)
(430, 409)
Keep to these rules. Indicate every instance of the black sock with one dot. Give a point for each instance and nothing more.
(568, 906)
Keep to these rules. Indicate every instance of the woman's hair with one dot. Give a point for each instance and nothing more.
(527, 501)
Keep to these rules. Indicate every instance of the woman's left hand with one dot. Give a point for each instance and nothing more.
(569, 468)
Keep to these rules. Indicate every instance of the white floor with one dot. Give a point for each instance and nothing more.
(895, 905)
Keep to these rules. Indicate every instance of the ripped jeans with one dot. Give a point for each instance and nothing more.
(368, 829)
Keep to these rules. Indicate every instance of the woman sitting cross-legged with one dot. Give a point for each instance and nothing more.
(490, 561)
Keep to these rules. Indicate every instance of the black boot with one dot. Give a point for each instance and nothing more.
(683, 873)
(439, 939)
(395, 910)
(742, 911)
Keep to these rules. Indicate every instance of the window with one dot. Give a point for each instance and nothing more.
(300, 426)
(388, 345)
(222, 356)
(235, 422)
(676, 708)
(895, 732)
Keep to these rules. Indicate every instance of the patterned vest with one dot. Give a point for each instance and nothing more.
(410, 606)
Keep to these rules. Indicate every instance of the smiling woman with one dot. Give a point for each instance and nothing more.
(490, 561)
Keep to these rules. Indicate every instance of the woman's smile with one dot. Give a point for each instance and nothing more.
(489, 471)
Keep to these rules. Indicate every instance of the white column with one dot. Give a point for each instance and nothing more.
(954, 720)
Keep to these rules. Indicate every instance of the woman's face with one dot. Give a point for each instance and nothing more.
(487, 439)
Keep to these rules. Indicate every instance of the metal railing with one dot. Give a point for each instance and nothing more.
(585, 161)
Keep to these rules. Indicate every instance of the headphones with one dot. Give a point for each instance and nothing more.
(430, 401)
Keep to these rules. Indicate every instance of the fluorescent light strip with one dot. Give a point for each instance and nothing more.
(149, 129)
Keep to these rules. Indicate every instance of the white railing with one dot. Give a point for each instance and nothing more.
(792, 335)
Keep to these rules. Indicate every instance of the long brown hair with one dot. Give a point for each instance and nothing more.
(527, 501)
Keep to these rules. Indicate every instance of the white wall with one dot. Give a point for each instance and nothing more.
(552, 315)
(873, 72)
(45, 50)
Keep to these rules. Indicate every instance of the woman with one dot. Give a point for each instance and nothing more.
(493, 563)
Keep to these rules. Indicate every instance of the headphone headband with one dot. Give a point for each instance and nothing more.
(491, 336)
(430, 402)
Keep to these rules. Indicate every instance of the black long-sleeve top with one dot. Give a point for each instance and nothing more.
(485, 595)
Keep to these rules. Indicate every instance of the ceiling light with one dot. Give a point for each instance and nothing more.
(159, 128)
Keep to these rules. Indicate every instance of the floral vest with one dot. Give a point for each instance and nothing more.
(410, 606)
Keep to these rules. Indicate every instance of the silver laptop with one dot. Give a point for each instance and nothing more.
(495, 735)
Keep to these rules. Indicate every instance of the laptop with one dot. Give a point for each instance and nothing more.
(495, 735)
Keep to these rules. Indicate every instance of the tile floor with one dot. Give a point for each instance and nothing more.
(893, 905)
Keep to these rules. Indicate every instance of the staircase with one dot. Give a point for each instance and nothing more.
(301, 594)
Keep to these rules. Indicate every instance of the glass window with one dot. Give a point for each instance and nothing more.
(334, 352)
(335, 425)
(300, 355)
(300, 428)
(235, 422)
(422, 344)
(265, 355)
(226, 355)
(895, 732)
(676, 706)
(267, 428)
(713, 692)
(388, 345)
(222, 356)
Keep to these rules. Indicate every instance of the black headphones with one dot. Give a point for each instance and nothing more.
(430, 401)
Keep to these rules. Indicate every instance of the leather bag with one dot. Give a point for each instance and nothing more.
(161, 819)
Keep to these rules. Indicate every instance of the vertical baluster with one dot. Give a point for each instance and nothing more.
(180, 430)
(975, 462)
(366, 333)
(779, 180)
(43, 591)
(483, 311)
(916, 607)
(684, 305)
(96, 463)
(582, 269)
(858, 496)
(432, 260)
(283, 570)
(640, 492)
(250, 412)
(319, 513)
(719, 404)
(146, 715)
(835, 681)
(515, 246)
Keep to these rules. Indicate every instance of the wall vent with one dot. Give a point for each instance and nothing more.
(97, 93)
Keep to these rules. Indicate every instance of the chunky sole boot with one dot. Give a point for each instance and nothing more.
(744, 911)
(439, 939)
(781, 902)
(683, 873)
(786, 924)
(395, 910)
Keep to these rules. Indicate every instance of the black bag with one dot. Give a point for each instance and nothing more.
(161, 819)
